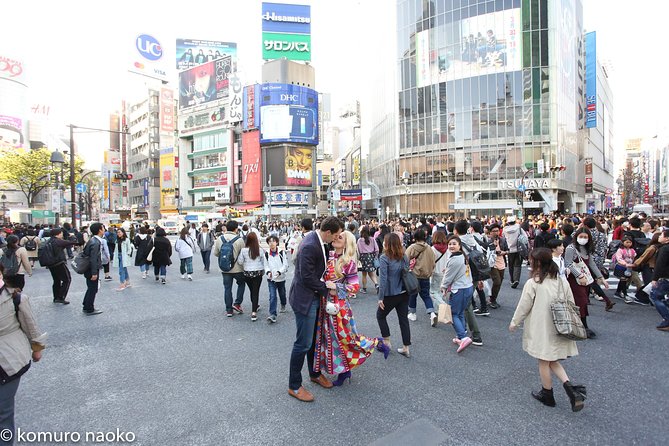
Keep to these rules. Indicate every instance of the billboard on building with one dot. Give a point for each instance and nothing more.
(473, 46)
(168, 180)
(191, 52)
(251, 107)
(286, 31)
(299, 166)
(166, 110)
(205, 83)
(591, 80)
(288, 113)
(147, 57)
(11, 69)
(11, 132)
(210, 119)
(235, 104)
(251, 167)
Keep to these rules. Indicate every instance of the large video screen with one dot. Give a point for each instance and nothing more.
(474, 46)
(288, 113)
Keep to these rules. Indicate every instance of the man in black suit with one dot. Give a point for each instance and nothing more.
(304, 297)
(93, 251)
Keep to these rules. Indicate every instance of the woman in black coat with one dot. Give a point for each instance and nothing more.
(143, 243)
(161, 255)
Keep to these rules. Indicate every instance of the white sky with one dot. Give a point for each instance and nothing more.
(76, 52)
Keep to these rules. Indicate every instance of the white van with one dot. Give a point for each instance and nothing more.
(170, 226)
(645, 208)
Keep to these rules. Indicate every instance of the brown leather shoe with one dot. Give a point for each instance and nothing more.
(322, 381)
(302, 394)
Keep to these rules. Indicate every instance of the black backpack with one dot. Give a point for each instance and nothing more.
(31, 244)
(80, 238)
(640, 245)
(478, 262)
(46, 255)
(10, 262)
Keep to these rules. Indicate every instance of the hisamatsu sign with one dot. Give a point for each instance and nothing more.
(532, 183)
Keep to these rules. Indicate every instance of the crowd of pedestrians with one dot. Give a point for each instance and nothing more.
(459, 262)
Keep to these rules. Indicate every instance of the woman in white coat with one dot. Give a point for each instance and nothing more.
(124, 251)
(540, 339)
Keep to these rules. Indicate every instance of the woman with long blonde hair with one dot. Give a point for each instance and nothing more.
(339, 347)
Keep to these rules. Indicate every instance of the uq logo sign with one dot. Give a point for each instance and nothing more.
(149, 47)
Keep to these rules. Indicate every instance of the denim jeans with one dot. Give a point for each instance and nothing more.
(227, 284)
(206, 259)
(122, 270)
(162, 269)
(424, 294)
(303, 346)
(460, 300)
(657, 297)
(144, 267)
(273, 288)
(7, 394)
(186, 265)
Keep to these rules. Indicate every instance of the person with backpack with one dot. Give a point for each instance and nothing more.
(276, 267)
(475, 249)
(185, 246)
(31, 242)
(422, 258)
(110, 237)
(227, 248)
(68, 234)
(640, 243)
(501, 248)
(205, 241)
(52, 256)
(15, 261)
(20, 341)
(368, 253)
(162, 254)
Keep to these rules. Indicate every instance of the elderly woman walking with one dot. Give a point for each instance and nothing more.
(540, 339)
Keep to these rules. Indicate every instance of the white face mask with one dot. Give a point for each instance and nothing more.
(582, 241)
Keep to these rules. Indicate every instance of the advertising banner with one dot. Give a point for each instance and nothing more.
(191, 52)
(288, 113)
(591, 80)
(168, 180)
(235, 108)
(205, 83)
(11, 132)
(282, 18)
(166, 110)
(211, 179)
(251, 107)
(147, 58)
(251, 167)
(482, 44)
(211, 119)
(290, 46)
(423, 58)
(222, 194)
(299, 166)
(290, 198)
(145, 192)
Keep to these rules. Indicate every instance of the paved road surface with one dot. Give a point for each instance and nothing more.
(164, 363)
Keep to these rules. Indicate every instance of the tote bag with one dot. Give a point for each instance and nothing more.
(445, 316)
(583, 269)
(566, 316)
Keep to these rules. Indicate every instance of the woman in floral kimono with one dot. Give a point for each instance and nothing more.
(339, 347)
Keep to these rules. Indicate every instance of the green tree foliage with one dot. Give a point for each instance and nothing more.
(31, 171)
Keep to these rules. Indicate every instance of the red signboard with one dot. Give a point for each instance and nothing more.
(251, 168)
(166, 110)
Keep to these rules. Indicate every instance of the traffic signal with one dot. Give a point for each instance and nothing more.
(123, 176)
(560, 168)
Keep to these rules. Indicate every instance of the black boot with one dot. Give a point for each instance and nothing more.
(576, 395)
(545, 396)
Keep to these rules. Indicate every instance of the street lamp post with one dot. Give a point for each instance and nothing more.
(4, 209)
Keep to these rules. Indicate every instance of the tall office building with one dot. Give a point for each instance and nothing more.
(488, 97)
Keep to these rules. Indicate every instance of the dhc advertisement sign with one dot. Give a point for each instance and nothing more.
(591, 80)
(288, 113)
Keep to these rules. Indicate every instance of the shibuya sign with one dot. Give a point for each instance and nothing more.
(532, 183)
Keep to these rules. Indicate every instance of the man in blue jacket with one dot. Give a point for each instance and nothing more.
(304, 297)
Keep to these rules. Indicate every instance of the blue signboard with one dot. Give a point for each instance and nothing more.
(291, 19)
(288, 113)
(590, 80)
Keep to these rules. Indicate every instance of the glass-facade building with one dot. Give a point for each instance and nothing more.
(485, 91)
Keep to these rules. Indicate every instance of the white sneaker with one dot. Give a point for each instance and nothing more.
(411, 316)
(190, 277)
(144, 275)
(183, 276)
(433, 319)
